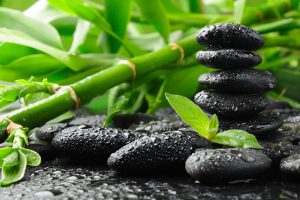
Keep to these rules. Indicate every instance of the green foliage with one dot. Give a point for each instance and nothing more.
(208, 128)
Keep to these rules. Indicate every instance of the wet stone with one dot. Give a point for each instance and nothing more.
(166, 114)
(46, 151)
(228, 58)
(159, 153)
(84, 143)
(230, 36)
(161, 126)
(262, 125)
(90, 120)
(291, 166)
(276, 104)
(230, 105)
(225, 165)
(124, 121)
(47, 132)
(277, 151)
(241, 81)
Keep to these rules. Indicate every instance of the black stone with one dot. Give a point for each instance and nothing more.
(278, 151)
(241, 81)
(124, 121)
(94, 143)
(46, 151)
(291, 166)
(230, 36)
(228, 58)
(262, 125)
(161, 126)
(158, 153)
(225, 165)
(47, 132)
(90, 120)
(230, 105)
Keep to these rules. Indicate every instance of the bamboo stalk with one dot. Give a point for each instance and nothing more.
(38, 113)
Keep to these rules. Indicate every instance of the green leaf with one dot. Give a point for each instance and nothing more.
(4, 152)
(10, 52)
(13, 168)
(154, 11)
(213, 126)
(44, 12)
(80, 34)
(34, 97)
(236, 138)
(239, 8)
(117, 20)
(190, 113)
(16, 37)
(42, 32)
(33, 158)
(171, 7)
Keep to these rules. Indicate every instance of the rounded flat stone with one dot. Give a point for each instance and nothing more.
(241, 81)
(230, 36)
(157, 153)
(230, 105)
(261, 125)
(83, 143)
(90, 120)
(291, 166)
(228, 58)
(225, 165)
(48, 131)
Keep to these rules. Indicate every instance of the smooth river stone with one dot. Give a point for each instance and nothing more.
(47, 132)
(93, 144)
(241, 81)
(158, 153)
(291, 166)
(230, 36)
(228, 58)
(262, 125)
(230, 105)
(225, 165)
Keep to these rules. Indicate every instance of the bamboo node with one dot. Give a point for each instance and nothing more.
(175, 46)
(74, 96)
(131, 65)
(11, 126)
(55, 88)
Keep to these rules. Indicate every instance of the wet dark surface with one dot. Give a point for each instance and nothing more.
(63, 181)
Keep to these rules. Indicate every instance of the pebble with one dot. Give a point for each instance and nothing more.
(158, 153)
(230, 105)
(239, 81)
(94, 143)
(230, 36)
(90, 120)
(291, 166)
(44, 194)
(47, 132)
(225, 165)
(228, 58)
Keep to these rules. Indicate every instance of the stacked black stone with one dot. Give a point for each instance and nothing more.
(235, 92)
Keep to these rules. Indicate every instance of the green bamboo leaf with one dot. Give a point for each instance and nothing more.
(16, 37)
(239, 8)
(236, 138)
(42, 32)
(36, 64)
(154, 11)
(80, 34)
(13, 168)
(10, 52)
(43, 11)
(117, 20)
(171, 8)
(190, 113)
(33, 158)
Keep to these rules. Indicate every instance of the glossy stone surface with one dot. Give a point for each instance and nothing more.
(224, 165)
(161, 153)
(230, 36)
(48, 131)
(230, 105)
(291, 166)
(239, 81)
(228, 58)
(84, 143)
